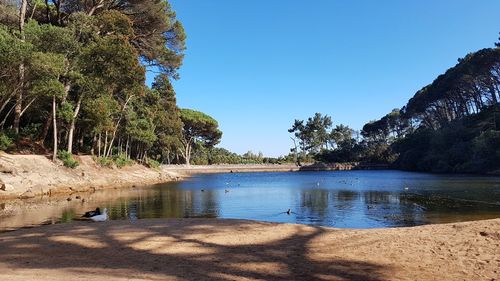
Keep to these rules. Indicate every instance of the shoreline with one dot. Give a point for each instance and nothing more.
(208, 249)
(30, 176)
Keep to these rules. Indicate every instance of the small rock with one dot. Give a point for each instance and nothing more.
(77, 197)
(6, 187)
(83, 174)
(69, 199)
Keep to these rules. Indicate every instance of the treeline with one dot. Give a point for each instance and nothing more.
(450, 125)
(215, 155)
(72, 79)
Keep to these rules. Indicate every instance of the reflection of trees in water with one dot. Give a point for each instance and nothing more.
(208, 204)
(314, 203)
(345, 199)
(166, 202)
(388, 207)
(379, 197)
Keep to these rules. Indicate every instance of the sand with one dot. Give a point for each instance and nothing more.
(213, 249)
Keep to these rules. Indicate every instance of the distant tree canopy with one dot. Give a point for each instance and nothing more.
(450, 125)
(198, 128)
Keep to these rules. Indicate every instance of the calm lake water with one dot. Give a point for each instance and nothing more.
(347, 199)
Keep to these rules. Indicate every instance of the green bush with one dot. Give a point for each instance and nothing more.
(5, 141)
(104, 161)
(121, 160)
(67, 159)
(31, 131)
(152, 163)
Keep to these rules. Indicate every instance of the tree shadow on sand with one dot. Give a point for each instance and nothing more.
(192, 249)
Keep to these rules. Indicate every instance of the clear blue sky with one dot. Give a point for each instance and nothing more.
(255, 66)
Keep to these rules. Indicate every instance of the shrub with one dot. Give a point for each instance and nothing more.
(67, 159)
(152, 163)
(5, 141)
(104, 161)
(31, 131)
(121, 160)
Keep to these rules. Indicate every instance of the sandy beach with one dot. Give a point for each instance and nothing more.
(214, 249)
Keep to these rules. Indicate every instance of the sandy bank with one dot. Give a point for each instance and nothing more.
(27, 176)
(211, 249)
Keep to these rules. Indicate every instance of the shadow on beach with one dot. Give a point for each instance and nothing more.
(194, 249)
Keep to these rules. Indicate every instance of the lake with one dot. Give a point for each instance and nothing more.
(346, 199)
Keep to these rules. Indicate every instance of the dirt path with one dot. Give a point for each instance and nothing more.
(212, 249)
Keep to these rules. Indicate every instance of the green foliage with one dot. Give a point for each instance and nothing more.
(121, 160)
(65, 112)
(92, 65)
(199, 129)
(151, 163)
(469, 145)
(31, 131)
(208, 156)
(5, 141)
(67, 159)
(104, 161)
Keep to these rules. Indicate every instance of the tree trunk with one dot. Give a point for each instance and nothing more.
(94, 139)
(54, 124)
(19, 99)
(47, 10)
(99, 145)
(45, 131)
(6, 116)
(19, 94)
(105, 144)
(126, 147)
(6, 102)
(187, 153)
(72, 126)
(98, 5)
(80, 141)
(116, 127)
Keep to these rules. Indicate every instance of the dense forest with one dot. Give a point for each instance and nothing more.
(72, 80)
(450, 125)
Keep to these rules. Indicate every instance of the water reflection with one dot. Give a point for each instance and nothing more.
(355, 199)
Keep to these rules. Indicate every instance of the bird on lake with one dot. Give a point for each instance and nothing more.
(288, 212)
(101, 217)
(89, 214)
(226, 190)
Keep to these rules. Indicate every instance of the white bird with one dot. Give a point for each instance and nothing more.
(101, 217)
